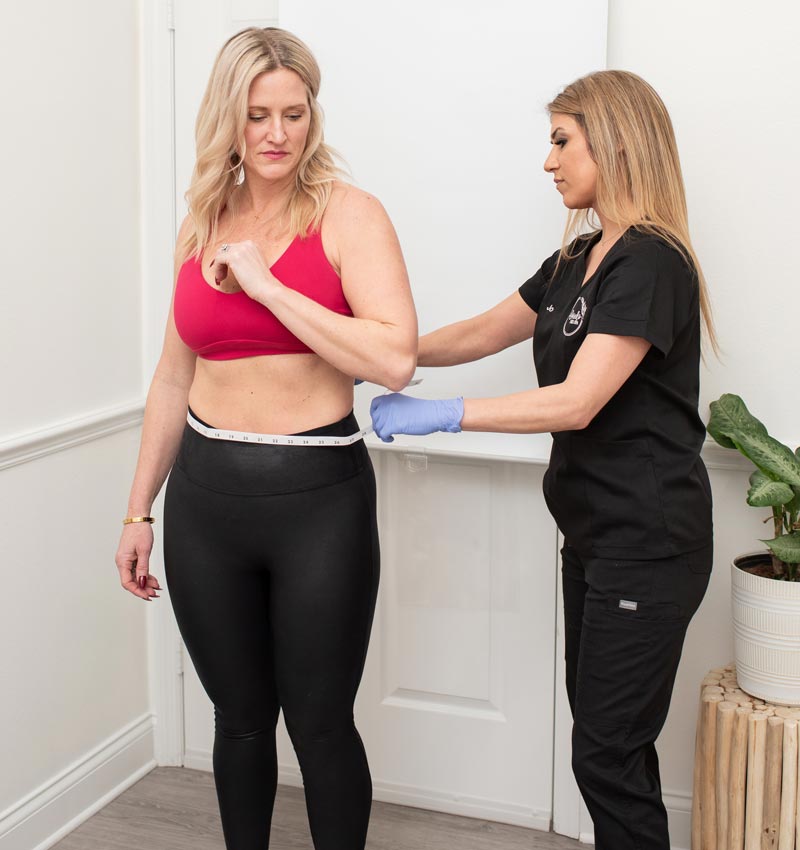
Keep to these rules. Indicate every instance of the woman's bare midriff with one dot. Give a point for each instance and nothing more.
(275, 394)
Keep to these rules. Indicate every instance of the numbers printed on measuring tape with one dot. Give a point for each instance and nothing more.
(275, 439)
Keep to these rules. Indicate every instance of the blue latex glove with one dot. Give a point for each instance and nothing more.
(403, 414)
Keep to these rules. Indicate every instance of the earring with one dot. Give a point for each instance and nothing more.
(238, 166)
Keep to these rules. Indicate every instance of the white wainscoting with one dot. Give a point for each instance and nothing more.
(61, 804)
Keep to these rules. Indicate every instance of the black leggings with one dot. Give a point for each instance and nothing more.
(272, 563)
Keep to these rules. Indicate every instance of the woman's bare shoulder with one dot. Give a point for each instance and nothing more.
(350, 205)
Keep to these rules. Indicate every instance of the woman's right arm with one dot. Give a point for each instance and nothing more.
(509, 322)
(164, 420)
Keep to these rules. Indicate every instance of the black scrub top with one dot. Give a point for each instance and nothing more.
(631, 484)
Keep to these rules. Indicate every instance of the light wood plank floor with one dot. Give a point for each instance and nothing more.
(174, 808)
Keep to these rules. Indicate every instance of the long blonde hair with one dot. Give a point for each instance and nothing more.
(220, 127)
(639, 179)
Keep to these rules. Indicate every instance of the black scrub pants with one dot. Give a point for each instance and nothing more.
(271, 556)
(625, 626)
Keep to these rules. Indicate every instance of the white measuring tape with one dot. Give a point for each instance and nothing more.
(276, 439)
(281, 439)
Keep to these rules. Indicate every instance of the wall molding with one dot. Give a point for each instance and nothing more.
(714, 456)
(679, 811)
(58, 806)
(68, 433)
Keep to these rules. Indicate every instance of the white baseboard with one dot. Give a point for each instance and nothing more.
(679, 811)
(198, 760)
(55, 808)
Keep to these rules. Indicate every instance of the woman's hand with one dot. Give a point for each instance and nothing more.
(403, 414)
(133, 561)
(252, 273)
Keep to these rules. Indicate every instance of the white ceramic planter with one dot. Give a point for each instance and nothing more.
(766, 630)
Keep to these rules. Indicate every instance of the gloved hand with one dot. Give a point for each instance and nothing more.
(403, 414)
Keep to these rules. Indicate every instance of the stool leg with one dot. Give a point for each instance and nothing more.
(788, 786)
(726, 712)
(708, 804)
(772, 784)
(738, 779)
(756, 768)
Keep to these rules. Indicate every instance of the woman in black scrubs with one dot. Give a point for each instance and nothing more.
(615, 317)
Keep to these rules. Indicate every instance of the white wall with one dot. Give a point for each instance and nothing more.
(728, 73)
(75, 713)
(70, 211)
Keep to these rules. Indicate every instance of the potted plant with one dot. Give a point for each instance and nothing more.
(765, 585)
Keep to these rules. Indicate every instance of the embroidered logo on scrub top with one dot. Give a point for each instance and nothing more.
(575, 318)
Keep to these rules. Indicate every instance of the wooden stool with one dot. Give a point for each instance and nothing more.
(745, 770)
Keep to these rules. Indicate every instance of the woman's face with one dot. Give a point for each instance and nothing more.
(278, 120)
(571, 164)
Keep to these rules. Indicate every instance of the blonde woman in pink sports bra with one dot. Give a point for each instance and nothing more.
(289, 283)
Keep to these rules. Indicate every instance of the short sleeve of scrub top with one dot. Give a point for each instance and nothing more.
(644, 295)
(533, 290)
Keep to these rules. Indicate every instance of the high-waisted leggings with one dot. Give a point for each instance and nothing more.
(271, 556)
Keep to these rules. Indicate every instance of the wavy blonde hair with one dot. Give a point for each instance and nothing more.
(639, 179)
(220, 143)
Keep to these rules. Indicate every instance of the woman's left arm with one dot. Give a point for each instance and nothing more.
(379, 342)
(601, 366)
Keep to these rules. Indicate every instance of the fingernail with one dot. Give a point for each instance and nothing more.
(142, 582)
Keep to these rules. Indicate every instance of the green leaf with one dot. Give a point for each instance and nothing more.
(786, 547)
(722, 419)
(766, 493)
(731, 424)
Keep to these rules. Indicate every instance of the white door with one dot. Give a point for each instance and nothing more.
(456, 706)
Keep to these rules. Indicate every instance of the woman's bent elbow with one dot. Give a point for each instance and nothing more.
(400, 371)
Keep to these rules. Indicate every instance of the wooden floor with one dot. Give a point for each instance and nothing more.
(174, 808)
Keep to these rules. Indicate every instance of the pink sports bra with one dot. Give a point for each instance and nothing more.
(226, 326)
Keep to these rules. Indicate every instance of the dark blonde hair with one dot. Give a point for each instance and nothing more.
(220, 127)
(639, 180)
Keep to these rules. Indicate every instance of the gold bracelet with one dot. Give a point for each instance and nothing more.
(129, 519)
